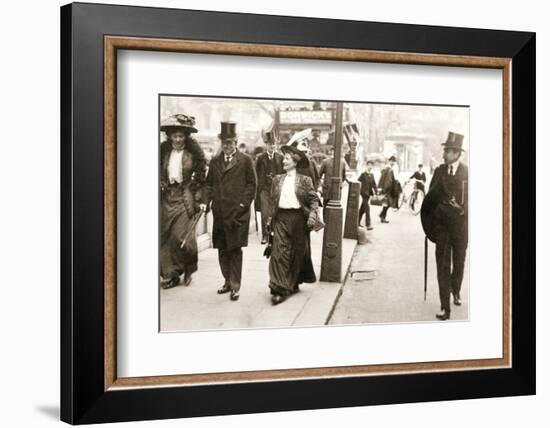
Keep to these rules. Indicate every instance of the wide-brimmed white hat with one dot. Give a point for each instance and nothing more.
(299, 139)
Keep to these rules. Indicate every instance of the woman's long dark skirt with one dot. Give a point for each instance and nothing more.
(290, 263)
(175, 225)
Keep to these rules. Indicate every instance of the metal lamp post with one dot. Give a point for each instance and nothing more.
(331, 263)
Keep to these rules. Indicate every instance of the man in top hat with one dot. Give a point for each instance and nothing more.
(231, 187)
(444, 217)
(388, 186)
(268, 164)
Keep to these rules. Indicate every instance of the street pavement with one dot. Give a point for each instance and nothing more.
(198, 307)
(386, 279)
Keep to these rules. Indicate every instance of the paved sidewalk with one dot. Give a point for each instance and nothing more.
(198, 307)
(386, 281)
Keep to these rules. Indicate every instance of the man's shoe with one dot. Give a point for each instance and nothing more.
(164, 283)
(457, 300)
(225, 289)
(370, 227)
(443, 315)
(264, 240)
(383, 220)
(277, 298)
(175, 280)
(234, 295)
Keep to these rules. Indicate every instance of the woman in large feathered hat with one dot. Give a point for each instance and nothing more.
(182, 176)
(295, 213)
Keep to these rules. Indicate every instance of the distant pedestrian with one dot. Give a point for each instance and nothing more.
(419, 181)
(231, 187)
(445, 220)
(182, 176)
(388, 185)
(420, 178)
(295, 213)
(326, 172)
(368, 189)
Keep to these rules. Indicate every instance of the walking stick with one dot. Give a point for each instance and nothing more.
(425, 266)
(256, 220)
(191, 229)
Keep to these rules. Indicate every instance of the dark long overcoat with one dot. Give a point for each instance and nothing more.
(436, 214)
(263, 164)
(389, 185)
(231, 190)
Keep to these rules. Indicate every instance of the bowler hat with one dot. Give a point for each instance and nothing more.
(293, 150)
(454, 141)
(228, 131)
(178, 122)
(392, 158)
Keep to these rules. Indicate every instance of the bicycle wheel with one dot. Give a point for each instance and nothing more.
(416, 203)
(401, 200)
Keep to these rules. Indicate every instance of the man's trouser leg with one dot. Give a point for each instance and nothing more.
(443, 260)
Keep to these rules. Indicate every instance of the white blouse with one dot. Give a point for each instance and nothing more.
(288, 199)
(175, 173)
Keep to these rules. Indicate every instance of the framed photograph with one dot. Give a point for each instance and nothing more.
(266, 213)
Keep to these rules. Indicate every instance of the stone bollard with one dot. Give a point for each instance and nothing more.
(352, 211)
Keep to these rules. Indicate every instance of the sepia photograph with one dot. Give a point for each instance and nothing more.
(283, 213)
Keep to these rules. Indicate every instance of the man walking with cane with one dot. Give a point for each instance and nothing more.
(444, 217)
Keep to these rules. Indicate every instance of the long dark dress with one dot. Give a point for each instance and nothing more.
(179, 205)
(290, 263)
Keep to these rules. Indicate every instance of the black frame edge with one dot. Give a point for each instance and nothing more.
(524, 219)
(66, 306)
(244, 27)
(82, 397)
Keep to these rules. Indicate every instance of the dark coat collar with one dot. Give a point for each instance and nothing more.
(461, 169)
(219, 161)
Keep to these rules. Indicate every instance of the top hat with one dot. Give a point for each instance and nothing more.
(293, 150)
(270, 137)
(454, 141)
(228, 131)
(178, 122)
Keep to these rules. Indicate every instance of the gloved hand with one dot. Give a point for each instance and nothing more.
(312, 219)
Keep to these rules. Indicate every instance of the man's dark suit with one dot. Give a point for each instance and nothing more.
(231, 188)
(266, 169)
(448, 226)
(368, 188)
